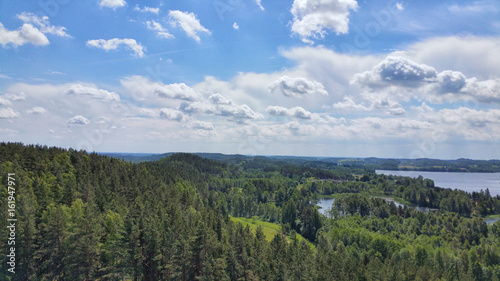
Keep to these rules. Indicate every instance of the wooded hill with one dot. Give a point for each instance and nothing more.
(92, 217)
(372, 163)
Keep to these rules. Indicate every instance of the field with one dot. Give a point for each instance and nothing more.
(269, 229)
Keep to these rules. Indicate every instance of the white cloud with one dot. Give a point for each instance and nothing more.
(474, 56)
(177, 91)
(396, 71)
(43, 24)
(189, 23)
(112, 3)
(200, 125)
(238, 112)
(258, 2)
(4, 101)
(8, 113)
(399, 6)
(78, 120)
(173, 114)
(113, 44)
(219, 99)
(92, 91)
(483, 91)
(467, 123)
(161, 32)
(236, 26)
(147, 9)
(297, 112)
(311, 18)
(476, 7)
(26, 34)
(404, 79)
(37, 110)
(147, 112)
(16, 96)
(297, 87)
(219, 105)
(377, 102)
(3, 76)
(450, 82)
(349, 104)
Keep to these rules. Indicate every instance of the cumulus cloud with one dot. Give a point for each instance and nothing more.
(297, 112)
(474, 118)
(396, 71)
(219, 105)
(467, 123)
(312, 18)
(43, 24)
(297, 87)
(349, 104)
(200, 125)
(92, 91)
(4, 101)
(147, 9)
(16, 96)
(112, 3)
(37, 110)
(26, 34)
(78, 120)
(7, 113)
(147, 112)
(236, 26)
(450, 82)
(387, 105)
(407, 79)
(483, 91)
(219, 99)
(177, 91)
(237, 112)
(188, 22)
(173, 114)
(113, 44)
(161, 32)
(377, 102)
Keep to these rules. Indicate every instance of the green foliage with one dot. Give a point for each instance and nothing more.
(91, 217)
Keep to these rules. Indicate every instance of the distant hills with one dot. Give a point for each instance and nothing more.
(370, 163)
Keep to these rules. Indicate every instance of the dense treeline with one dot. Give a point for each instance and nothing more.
(417, 191)
(91, 217)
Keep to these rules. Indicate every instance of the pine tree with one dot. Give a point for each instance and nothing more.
(52, 249)
(85, 231)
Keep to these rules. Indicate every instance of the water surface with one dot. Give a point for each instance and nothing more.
(469, 182)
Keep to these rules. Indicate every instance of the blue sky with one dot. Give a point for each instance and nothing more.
(405, 79)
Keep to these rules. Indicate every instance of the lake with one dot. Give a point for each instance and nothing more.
(464, 181)
(326, 204)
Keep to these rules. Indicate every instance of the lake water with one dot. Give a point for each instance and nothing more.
(464, 181)
(326, 204)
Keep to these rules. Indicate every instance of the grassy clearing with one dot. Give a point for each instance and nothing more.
(269, 229)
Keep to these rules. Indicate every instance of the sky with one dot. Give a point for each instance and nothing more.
(342, 78)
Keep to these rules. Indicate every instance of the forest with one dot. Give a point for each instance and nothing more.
(87, 216)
